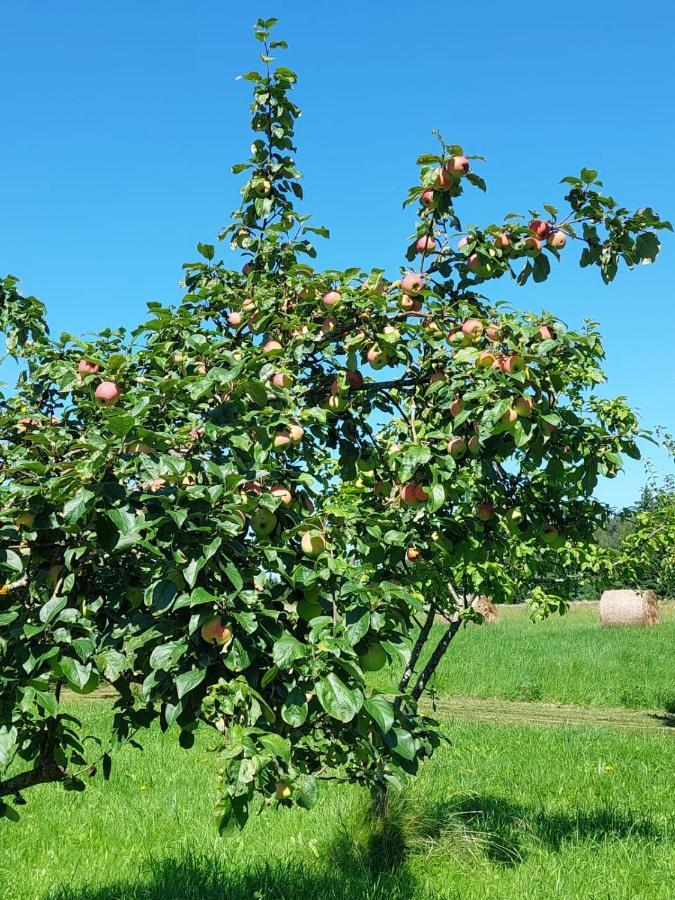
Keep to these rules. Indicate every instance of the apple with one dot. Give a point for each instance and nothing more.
(472, 329)
(442, 180)
(503, 242)
(410, 304)
(308, 608)
(510, 416)
(282, 790)
(456, 406)
(475, 262)
(261, 186)
(263, 522)
(234, 318)
(247, 268)
(282, 380)
(425, 244)
(412, 284)
(296, 433)
(437, 376)
(336, 403)
(485, 511)
(282, 439)
(473, 445)
(272, 348)
(214, 632)
(545, 333)
(328, 325)
(332, 298)
(513, 364)
(282, 493)
(524, 407)
(107, 393)
(532, 246)
(492, 333)
(427, 198)
(248, 305)
(313, 543)
(540, 229)
(412, 554)
(421, 494)
(456, 338)
(409, 495)
(485, 359)
(456, 447)
(354, 379)
(458, 165)
(549, 533)
(373, 658)
(87, 367)
(200, 367)
(252, 487)
(391, 334)
(376, 357)
(556, 239)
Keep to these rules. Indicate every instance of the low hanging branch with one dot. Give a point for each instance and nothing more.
(43, 774)
(416, 651)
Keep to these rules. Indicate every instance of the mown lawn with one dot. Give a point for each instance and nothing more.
(503, 812)
(565, 659)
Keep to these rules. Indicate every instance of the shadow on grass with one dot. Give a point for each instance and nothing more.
(667, 719)
(203, 878)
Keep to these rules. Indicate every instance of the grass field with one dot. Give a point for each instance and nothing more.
(565, 659)
(507, 811)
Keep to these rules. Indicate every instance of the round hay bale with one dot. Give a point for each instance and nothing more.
(486, 608)
(629, 608)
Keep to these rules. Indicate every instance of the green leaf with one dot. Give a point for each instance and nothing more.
(52, 608)
(307, 791)
(161, 595)
(112, 663)
(294, 708)
(8, 738)
(206, 250)
(121, 425)
(436, 499)
(10, 560)
(337, 699)
(402, 743)
(188, 681)
(276, 745)
(381, 711)
(286, 650)
(164, 656)
(357, 623)
(77, 674)
(76, 507)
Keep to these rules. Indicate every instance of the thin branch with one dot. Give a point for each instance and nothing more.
(416, 651)
(435, 659)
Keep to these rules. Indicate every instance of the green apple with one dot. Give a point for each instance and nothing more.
(373, 659)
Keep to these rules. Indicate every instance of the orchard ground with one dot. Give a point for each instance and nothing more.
(506, 810)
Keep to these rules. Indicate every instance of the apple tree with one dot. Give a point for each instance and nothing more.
(235, 512)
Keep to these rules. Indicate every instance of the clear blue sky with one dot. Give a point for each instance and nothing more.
(120, 122)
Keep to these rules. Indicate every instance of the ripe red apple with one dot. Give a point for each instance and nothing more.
(328, 325)
(410, 304)
(412, 284)
(532, 246)
(540, 229)
(272, 348)
(427, 198)
(425, 244)
(282, 380)
(332, 298)
(409, 495)
(282, 494)
(376, 357)
(457, 447)
(214, 632)
(456, 406)
(252, 487)
(503, 242)
(462, 242)
(492, 333)
(475, 262)
(545, 333)
(524, 407)
(313, 543)
(485, 511)
(107, 393)
(556, 239)
(354, 379)
(458, 165)
(87, 367)
(412, 554)
(247, 268)
(421, 494)
(234, 318)
(472, 329)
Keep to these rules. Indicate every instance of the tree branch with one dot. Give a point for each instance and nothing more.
(435, 659)
(416, 651)
(43, 774)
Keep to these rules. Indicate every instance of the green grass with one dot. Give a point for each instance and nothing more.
(565, 659)
(503, 812)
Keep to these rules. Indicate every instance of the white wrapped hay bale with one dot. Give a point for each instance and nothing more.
(629, 608)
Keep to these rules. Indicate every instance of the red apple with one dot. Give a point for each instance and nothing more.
(412, 554)
(462, 242)
(354, 379)
(442, 180)
(473, 445)
(503, 242)
(412, 284)
(456, 447)
(87, 367)
(234, 318)
(425, 244)
(427, 198)
(485, 511)
(410, 304)
(214, 632)
(510, 416)
(540, 229)
(282, 494)
(332, 298)
(107, 393)
(556, 239)
(524, 407)
(546, 333)
(472, 329)
(475, 262)
(437, 376)
(532, 246)
(513, 364)
(458, 165)
(247, 268)
(409, 495)
(296, 433)
(485, 359)
(272, 348)
(282, 380)
(492, 333)
(456, 406)
(313, 543)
